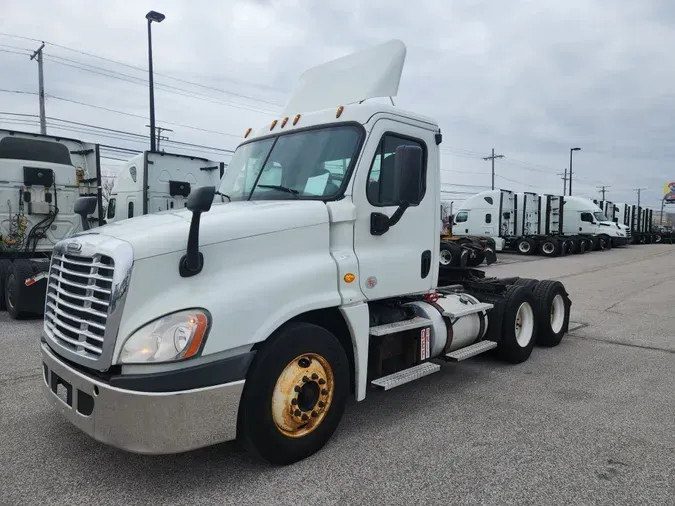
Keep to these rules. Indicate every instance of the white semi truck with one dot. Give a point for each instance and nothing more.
(529, 223)
(255, 318)
(41, 177)
(151, 182)
(635, 220)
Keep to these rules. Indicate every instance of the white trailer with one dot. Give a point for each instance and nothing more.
(529, 222)
(636, 220)
(257, 317)
(155, 181)
(41, 177)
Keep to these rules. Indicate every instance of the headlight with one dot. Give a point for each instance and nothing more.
(173, 337)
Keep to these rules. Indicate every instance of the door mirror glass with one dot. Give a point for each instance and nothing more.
(407, 175)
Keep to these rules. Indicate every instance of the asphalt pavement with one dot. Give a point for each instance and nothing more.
(589, 422)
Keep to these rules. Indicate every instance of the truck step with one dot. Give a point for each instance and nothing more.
(468, 309)
(393, 328)
(471, 351)
(406, 376)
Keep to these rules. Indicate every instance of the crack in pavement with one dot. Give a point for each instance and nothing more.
(619, 343)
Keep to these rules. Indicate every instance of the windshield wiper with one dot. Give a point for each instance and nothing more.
(223, 195)
(280, 188)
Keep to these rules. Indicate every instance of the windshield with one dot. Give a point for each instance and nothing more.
(599, 216)
(300, 165)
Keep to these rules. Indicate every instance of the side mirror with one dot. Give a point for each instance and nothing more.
(407, 186)
(198, 202)
(84, 206)
(408, 168)
(200, 199)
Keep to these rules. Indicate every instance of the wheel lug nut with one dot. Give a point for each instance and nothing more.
(297, 389)
(315, 376)
(324, 392)
(294, 401)
(321, 404)
(305, 379)
(305, 417)
(314, 414)
(297, 412)
(322, 381)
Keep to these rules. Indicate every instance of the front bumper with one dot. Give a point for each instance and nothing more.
(137, 421)
(619, 241)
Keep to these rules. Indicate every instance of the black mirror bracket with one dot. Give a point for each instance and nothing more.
(198, 202)
(380, 223)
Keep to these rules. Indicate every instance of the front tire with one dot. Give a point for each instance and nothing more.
(4, 268)
(295, 394)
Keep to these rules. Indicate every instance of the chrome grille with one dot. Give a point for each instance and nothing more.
(78, 302)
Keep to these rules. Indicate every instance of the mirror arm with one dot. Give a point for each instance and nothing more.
(193, 261)
(380, 223)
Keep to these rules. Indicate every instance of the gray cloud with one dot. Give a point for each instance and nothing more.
(529, 78)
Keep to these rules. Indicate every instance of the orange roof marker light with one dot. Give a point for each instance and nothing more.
(296, 119)
(284, 121)
(274, 123)
(339, 111)
(248, 131)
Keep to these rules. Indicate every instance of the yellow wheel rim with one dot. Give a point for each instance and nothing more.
(302, 395)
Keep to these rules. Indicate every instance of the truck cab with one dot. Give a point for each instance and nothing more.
(151, 182)
(307, 274)
(41, 178)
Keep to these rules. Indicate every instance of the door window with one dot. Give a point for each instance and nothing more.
(380, 190)
(587, 217)
(462, 217)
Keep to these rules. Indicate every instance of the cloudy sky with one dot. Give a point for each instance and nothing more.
(529, 78)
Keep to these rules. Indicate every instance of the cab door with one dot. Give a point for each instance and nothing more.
(586, 223)
(404, 259)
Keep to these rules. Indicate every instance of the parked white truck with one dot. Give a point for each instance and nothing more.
(151, 182)
(636, 221)
(529, 223)
(41, 177)
(257, 317)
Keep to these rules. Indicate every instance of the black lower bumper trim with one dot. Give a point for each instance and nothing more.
(209, 374)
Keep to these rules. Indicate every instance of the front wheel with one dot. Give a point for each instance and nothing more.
(295, 394)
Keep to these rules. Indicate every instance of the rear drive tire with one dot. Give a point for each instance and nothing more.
(597, 243)
(549, 247)
(519, 325)
(4, 268)
(527, 282)
(295, 394)
(553, 312)
(477, 259)
(450, 255)
(525, 246)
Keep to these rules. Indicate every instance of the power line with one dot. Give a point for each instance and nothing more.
(141, 69)
(192, 127)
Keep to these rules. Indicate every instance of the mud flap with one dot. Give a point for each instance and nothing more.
(490, 256)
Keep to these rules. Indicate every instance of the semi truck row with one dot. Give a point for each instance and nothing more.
(185, 320)
(551, 225)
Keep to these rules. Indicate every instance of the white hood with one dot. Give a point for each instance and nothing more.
(167, 232)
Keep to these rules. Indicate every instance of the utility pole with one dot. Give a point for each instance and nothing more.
(493, 165)
(638, 190)
(159, 135)
(41, 83)
(603, 190)
(564, 178)
(572, 150)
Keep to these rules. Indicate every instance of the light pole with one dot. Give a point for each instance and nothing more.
(158, 18)
(571, 151)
